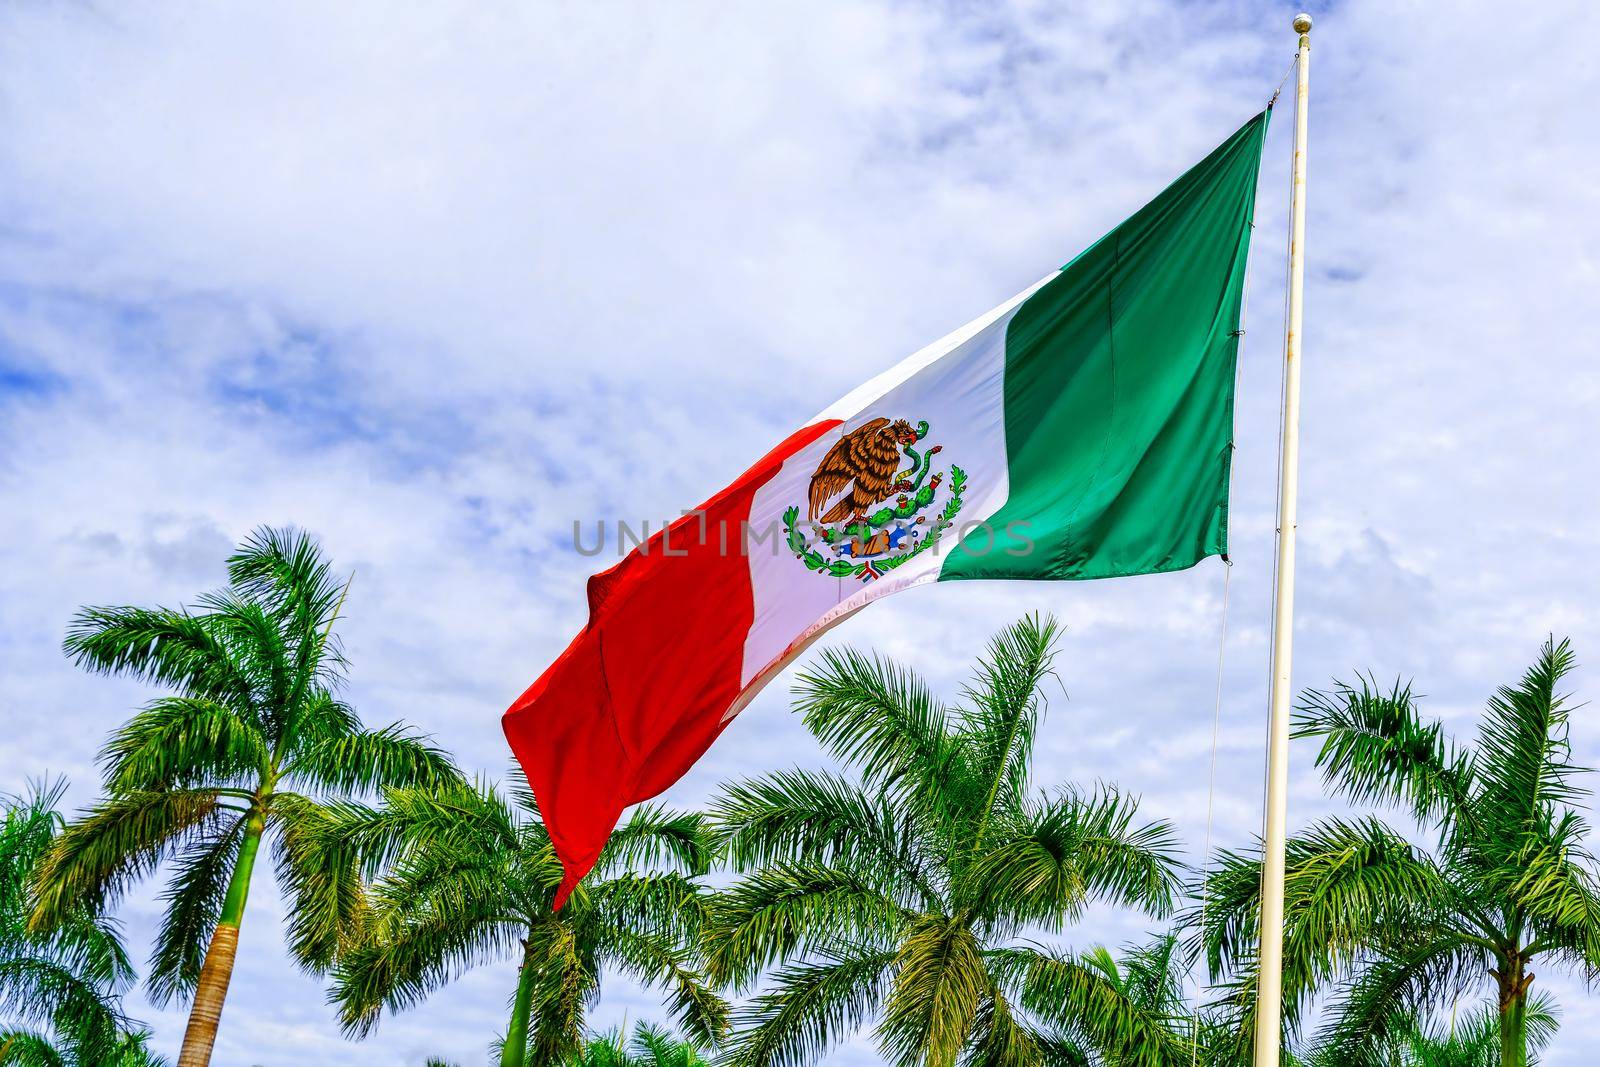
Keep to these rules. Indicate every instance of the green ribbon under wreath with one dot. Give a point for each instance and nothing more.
(904, 509)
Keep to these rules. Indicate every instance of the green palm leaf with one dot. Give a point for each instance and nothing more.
(464, 877)
(199, 776)
(1524, 748)
(892, 891)
(183, 743)
(160, 646)
(194, 903)
(1376, 748)
(60, 988)
(794, 909)
(1001, 713)
(1043, 865)
(822, 819)
(1396, 933)
(361, 761)
(940, 985)
(96, 859)
(1097, 1007)
(809, 1008)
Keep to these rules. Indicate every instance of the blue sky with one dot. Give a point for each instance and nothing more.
(437, 282)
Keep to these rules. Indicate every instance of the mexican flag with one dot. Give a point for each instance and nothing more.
(1082, 429)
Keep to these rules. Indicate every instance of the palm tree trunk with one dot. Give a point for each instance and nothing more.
(1514, 1014)
(217, 970)
(515, 1051)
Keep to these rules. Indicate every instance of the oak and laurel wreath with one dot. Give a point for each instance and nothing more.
(839, 568)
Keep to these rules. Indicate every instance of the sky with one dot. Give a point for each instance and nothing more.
(437, 281)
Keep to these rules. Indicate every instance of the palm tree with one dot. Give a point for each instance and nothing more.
(1148, 979)
(68, 980)
(1473, 1040)
(903, 894)
(1388, 924)
(650, 1046)
(251, 744)
(466, 876)
(25, 1048)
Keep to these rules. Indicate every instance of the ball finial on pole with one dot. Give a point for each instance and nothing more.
(1302, 23)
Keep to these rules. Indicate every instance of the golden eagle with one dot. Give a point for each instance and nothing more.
(863, 462)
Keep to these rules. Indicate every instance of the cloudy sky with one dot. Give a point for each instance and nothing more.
(434, 281)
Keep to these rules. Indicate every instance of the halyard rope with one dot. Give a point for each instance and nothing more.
(1211, 789)
(1227, 584)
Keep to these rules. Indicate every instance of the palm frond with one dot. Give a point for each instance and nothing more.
(654, 838)
(669, 907)
(809, 1008)
(1057, 855)
(1002, 710)
(1372, 1011)
(285, 571)
(37, 990)
(1347, 886)
(1524, 751)
(819, 818)
(1551, 881)
(789, 909)
(696, 1008)
(1001, 1037)
(1377, 749)
(939, 986)
(468, 818)
(880, 718)
(319, 874)
(414, 958)
(1098, 1011)
(1152, 973)
(609, 1049)
(1542, 1017)
(257, 646)
(28, 823)
(29, 1048)
(194, 899)
(158, 645)
(96, 859)
(184, 743)
(450, 894)
(68, 978)
(656, 1047)
(567, 981)
(364, 761)
(321, 716)
(134, 1051)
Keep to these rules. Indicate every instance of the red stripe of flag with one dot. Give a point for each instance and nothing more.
(641, 692)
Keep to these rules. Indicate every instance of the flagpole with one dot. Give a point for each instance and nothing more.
(1269, 1004)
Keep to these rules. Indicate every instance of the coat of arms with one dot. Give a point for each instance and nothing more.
(869, 508)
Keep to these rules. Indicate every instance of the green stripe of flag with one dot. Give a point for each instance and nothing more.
(1119, 383)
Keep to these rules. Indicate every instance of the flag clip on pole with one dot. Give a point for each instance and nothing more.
(1269, 1003)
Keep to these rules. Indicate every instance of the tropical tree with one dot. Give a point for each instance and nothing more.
(650, 1046)
(250, 745)
(1396, 931)
(905, 894)
(60, 990)
(465, 875)
(26, 1048)
(1470, 1040)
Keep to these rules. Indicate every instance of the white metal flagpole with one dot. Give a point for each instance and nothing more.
(1269, 1004)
